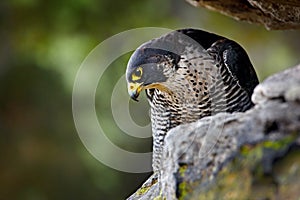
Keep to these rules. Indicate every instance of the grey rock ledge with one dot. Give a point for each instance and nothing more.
(199, 157)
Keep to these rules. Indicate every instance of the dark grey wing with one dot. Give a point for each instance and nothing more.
(228, 53)
(235, 58)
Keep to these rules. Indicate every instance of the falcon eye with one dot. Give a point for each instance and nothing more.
(137, 74)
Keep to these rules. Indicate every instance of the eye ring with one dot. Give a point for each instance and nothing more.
(137, 74)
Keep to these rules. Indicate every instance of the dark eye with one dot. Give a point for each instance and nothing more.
(137, 74)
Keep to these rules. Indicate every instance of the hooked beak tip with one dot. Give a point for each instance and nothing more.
(134, 98)
(134, 91)
(134, 95)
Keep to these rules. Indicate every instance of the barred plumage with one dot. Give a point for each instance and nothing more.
(189, 74)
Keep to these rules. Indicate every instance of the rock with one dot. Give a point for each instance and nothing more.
(285, 85)
(273, 14)
(251, 155)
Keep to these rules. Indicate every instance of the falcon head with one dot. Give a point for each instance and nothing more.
(154, 64)
(150, 68)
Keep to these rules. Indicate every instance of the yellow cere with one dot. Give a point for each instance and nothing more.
(138, 74)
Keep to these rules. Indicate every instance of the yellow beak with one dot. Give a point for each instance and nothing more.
(134, 90)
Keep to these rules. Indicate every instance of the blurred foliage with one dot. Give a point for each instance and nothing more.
(42, 46)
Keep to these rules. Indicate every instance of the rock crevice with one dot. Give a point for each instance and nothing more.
(273, 14)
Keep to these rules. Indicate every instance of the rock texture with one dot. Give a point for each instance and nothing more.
(251, 155)
(273, 14)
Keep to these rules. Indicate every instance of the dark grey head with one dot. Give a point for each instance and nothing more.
(148, 68)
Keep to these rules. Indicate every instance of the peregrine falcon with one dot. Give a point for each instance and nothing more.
(189, 74)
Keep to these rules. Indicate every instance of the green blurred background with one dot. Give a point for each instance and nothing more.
(42, 46)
